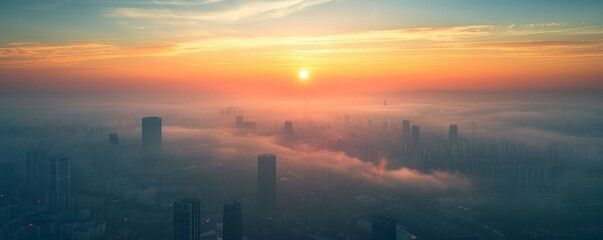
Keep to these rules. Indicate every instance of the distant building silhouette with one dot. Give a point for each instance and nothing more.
(37, 173)
(347, 122)
(232, 221)
(151, 133)
(113, 139)
(406, 130)
(187, 219)
(453, 134)
(267, 181)
(60, 184)
(241, 123)
(288, 127)
(416, 136)
(113, 152)
(151, 140)
(384, 228)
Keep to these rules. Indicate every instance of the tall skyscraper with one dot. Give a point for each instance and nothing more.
(113, 152)
(453, 136)
(288, 127)
(384, 228)
(60, 184)
(37, 173)
(233, 221)
(151, 133)
(347, 122)
(187, 219)
(267, 181)
(416, 136)
(238, 121)
(406, 130)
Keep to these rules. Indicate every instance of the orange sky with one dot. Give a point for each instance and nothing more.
(550, 55)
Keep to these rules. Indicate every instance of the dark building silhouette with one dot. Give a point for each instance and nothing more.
(151, 133)
(347, 122)
(267, 181)
(60, 184)
(406, 129)
(113, 139)
(288, 127)
(239, 121)
(232, 221)
(187, 219)
(453, 134)
(384, 228)
(416, 136)
(113, 152)
(37, 174)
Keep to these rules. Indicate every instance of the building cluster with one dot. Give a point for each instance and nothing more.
(87, 182)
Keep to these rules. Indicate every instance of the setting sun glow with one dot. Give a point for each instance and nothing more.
(303, 75)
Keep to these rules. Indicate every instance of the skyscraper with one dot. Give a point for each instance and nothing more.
(187, 219)
(416, 136)
(406, 130)
(151, 134)
(113, 139)
(60, 184)
(347, 122)
(288, 127)
(267, 181)
(113, 152)
(239, 121)
(453, 133)
(233, 221)
(384, 228)
(37, 173)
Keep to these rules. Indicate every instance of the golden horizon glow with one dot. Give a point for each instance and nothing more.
(251, 46)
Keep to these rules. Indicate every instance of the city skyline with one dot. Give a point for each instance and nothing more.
(301, 120)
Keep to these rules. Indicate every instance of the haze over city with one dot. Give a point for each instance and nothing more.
(301, 119)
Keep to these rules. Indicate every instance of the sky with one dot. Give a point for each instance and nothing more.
(259, 47)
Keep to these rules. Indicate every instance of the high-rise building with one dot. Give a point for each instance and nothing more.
(60, 184)
(113, 152)
(187, 219)
(406, 130)
(347, 122)
(113, 139)
(37, 173)
(453, 136)
(384, 228)
(151, 134)
(239, 121)
(232, 221)
(288, 127)
(267, 181)
(416, 136)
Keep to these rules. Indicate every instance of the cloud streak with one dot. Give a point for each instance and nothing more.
(240, 150)
(249, 11)
(472, 40)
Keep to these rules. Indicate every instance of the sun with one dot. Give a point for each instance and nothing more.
(303, 75)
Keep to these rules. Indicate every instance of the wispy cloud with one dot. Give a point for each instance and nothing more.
(31, 54)
(440, 42)
(248, 11)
